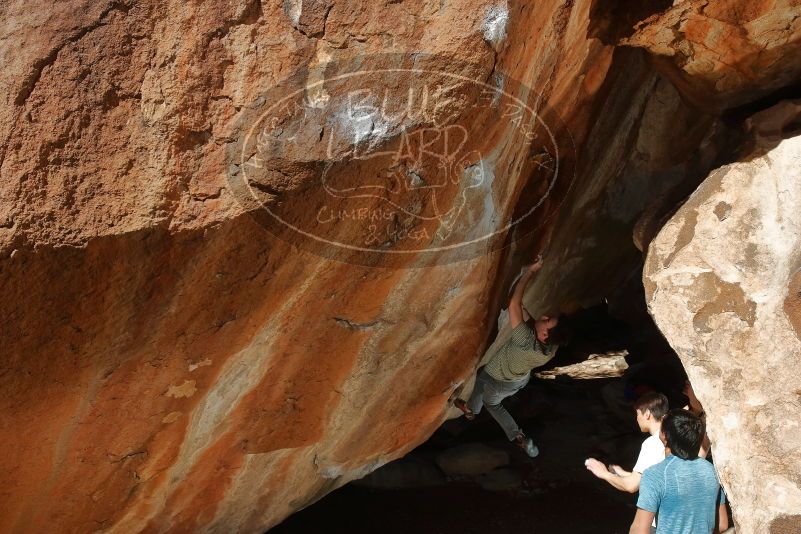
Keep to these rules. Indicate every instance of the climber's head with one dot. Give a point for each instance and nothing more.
(543, 326)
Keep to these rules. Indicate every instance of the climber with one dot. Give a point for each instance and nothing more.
(682, 491)
(509, 370)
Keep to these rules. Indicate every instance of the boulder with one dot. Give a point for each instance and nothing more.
(725, 53)
(502, 479)
(722, 283)
(471, 459)
(403, 473)
(171, 361)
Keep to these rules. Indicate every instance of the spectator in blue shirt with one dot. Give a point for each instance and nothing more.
(683, 490)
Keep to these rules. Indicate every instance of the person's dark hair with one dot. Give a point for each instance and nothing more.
(654, 402)
(559, 334)
(684, 433)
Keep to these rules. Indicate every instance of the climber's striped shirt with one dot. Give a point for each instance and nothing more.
(519, 355)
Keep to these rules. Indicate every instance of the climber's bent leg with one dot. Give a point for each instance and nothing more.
(476, 401)
(494, 393)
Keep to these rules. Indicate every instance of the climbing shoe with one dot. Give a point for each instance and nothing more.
(527, 445)
(462, 405)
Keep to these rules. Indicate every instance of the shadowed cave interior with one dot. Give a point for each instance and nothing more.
(468, 478)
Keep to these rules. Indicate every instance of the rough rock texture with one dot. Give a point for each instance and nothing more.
(607, 365)
(722, 283)
(646, 148)
(726, 53)
(166, 364)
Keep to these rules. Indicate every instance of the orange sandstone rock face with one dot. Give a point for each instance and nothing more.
(725, 53)
(167, 363)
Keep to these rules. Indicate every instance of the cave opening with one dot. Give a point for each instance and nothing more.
(467, 477)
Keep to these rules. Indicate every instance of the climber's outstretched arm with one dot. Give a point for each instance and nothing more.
(516, 302)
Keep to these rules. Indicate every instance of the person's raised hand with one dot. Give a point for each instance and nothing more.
(595, 467)
(615, 469)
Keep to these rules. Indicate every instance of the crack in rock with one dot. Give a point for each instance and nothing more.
(350, 325)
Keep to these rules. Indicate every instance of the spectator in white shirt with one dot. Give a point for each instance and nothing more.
(651, 409)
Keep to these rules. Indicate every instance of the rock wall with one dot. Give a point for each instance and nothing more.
(726, 53)
(167, 364)
(722, 284)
